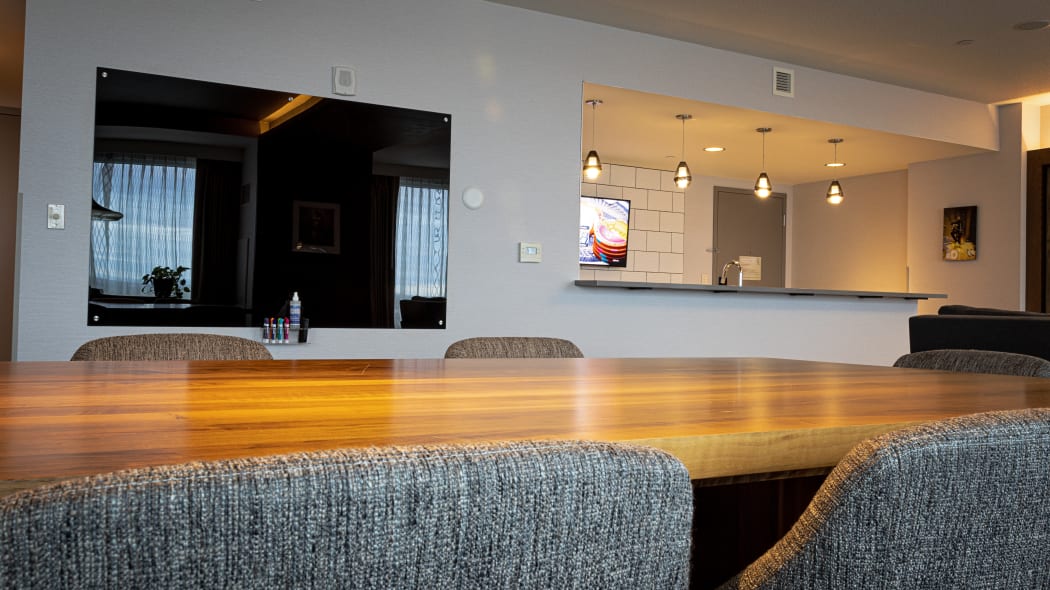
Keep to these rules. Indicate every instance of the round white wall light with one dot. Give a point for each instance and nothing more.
(473, 198)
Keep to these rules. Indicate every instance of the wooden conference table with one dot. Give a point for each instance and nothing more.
(720, 416)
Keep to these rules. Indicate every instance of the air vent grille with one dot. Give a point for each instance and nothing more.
(783, 82)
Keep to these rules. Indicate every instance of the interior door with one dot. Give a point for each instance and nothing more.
(752, 231)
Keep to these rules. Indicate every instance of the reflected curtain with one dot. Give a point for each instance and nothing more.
(155, 194)
(216, 225)
(383, 212)
(421, 252)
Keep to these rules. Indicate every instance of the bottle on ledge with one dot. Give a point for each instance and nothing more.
(295, 310)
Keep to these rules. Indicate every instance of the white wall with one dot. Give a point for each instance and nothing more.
(513, 81)
(861, 244)
(993, 182)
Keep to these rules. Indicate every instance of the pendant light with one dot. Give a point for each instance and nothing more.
(835, 195)
(682, 176)
(592, 165)
(763, 188)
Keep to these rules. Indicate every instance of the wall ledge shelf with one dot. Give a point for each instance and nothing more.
(793, 292)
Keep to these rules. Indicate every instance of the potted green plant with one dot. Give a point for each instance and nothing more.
(166, 282)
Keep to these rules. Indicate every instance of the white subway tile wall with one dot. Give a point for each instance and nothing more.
(656, 241)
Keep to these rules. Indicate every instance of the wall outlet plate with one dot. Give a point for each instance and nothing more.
(530, 252)
(56, 216)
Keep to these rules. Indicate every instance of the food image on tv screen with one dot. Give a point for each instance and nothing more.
(603, 231)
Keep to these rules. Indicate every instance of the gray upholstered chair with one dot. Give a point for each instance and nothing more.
(976, 361)
(172, 347)
(958, 503)
(554, 514)
(512, 347)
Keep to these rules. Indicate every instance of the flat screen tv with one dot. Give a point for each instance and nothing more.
(603, 231)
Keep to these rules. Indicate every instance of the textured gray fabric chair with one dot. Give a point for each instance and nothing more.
(512, 347)
(523, 515)
(172, 347)
(976, 361)
(958, 503)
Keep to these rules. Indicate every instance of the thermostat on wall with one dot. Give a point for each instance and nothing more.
(530, 252)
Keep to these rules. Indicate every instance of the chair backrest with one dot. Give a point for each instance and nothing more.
(976, 361)
(423, 312)
(524, 515)
(958, 503)
(172, 347)
(513, 347)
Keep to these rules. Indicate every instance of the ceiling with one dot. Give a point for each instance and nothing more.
(912, 43)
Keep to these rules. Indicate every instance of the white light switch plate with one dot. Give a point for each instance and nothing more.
(56, 216)
(530, 252)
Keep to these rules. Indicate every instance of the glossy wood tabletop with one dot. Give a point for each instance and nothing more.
(721, 416)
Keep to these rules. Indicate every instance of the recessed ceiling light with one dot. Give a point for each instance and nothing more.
(1032, 25)
(835, 164)
(714, 148)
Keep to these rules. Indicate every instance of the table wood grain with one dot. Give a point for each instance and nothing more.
(720, 416)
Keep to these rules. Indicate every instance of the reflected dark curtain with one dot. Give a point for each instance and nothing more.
(383, 209)
(216, 223)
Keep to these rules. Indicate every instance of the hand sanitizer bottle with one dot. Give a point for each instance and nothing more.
(295, 310)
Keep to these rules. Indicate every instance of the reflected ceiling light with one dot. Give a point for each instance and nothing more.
(714, 148)
(682, 176)
(763, 187)
(835, 162)
(592, 165)
(293, 107)
(835, 195)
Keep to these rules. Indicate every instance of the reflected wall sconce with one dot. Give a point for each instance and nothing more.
(763, 187)
(682, 176)
(835, 195)
(592, 165)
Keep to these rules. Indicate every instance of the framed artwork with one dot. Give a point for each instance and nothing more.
(960, 233)
(315, 227)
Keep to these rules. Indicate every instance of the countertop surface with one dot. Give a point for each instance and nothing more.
(793, 291)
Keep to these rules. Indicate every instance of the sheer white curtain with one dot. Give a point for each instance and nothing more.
(421, 240)
(155, 193)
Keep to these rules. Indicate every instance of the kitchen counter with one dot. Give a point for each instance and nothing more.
(745, 290)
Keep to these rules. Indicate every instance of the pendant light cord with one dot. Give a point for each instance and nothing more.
(763, 151)
(594, 109)
(684, 139)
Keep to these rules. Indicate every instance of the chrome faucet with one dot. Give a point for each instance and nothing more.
(740, 273)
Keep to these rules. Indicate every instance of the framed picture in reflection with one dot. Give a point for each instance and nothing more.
(315, 227)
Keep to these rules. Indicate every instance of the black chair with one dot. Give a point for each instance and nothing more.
(526, 515)
(423, 312)
(976, 361)
(957, 503)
